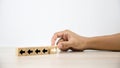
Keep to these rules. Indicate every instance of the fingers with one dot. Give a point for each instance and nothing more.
(61, 34)
(60, 40)
(55, 36)
(64, 45)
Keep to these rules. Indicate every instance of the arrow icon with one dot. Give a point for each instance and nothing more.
(21, 52)
(44, 50)
(37, 51)
(30, 51)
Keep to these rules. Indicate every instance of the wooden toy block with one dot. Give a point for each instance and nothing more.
(53, 50)
(21, 52)
(45, 50)
(38, 51)
(30, 51)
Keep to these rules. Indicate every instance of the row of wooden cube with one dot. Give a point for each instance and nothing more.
(30, 51)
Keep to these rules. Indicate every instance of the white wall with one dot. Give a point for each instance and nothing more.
(33, 22)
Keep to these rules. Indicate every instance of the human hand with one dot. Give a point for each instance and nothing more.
(69, 40)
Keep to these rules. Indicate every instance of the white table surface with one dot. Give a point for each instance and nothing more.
(86, 59)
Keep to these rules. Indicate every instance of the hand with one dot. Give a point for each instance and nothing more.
(69, 40)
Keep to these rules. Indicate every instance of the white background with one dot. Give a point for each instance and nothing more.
(33, 22)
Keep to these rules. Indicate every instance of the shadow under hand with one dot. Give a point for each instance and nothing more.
(70, 51)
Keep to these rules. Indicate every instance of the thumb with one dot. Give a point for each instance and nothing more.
(64, 45)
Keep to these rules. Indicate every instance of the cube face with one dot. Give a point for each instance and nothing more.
(53, 50)
(30, 51)
(38, 51)
(22, 52)
(45, 50)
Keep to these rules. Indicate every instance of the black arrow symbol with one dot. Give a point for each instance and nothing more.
(44, 50)
(30, 51)
(37, 51)
(21, 52)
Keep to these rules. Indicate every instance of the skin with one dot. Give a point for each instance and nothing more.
(75, 42)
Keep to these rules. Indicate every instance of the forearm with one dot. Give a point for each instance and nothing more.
(111, 42)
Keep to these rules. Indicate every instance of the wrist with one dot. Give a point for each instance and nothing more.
(87, 44)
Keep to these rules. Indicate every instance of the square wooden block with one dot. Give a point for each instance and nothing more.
(45, 50)
(21, 52)
(53, 50)
(38, 51)
(30, 51)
